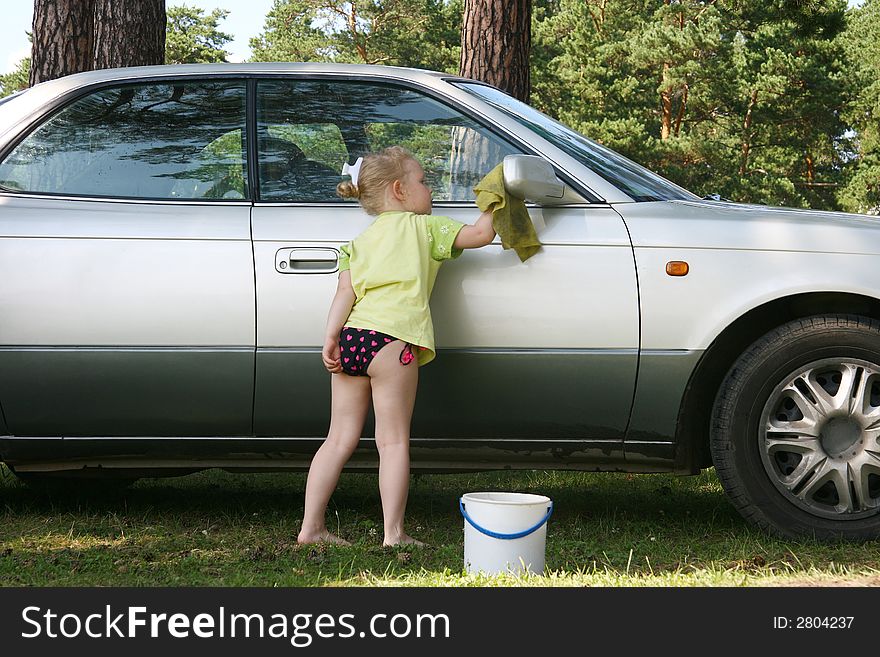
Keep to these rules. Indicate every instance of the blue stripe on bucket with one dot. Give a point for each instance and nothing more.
(505, 537)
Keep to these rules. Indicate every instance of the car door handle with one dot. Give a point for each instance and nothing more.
(306, 260)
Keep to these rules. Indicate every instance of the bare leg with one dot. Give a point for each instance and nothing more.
(351, 400)
(394, 393)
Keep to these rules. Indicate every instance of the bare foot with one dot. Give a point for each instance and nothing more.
(404, 539)
(321, 537)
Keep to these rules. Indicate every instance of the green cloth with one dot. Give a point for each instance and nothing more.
(393, 265)
(510, 219)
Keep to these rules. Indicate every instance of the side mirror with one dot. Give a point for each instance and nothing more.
(532, 178)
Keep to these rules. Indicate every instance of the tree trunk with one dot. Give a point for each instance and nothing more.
(129, 33)
(598, 16)
(495, 41)
(747, 134)
(666, 105)
(63, 38)
(682, 107)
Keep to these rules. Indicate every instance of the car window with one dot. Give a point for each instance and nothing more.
(307, 129)
(177, 140)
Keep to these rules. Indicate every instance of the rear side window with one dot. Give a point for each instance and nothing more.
(176, 140)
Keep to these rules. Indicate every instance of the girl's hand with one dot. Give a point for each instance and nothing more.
(330, 356)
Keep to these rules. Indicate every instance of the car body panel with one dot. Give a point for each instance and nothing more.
(739, 259)
(104, 310)
(728, 284)
(124, 391)
(663, 376)
(4, 430)
(495, 324)
(739, 226)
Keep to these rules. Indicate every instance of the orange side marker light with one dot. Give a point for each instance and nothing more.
(677, 268)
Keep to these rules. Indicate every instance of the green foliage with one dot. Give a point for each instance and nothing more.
(194, 38)
(17, 79)
(862, 44)
(417, 33)
(289, 35)
(737, 98)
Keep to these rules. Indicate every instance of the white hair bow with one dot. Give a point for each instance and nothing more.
(353, 170)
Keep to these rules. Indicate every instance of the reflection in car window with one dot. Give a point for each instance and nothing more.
(299, 161)
(313, 127)
(178, 140)
(632, 179)
(320, 142)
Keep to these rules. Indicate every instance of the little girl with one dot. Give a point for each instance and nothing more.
(379, 330)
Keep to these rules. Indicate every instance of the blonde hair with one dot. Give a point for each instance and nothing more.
(378, 170)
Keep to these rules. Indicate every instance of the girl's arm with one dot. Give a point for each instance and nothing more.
(479, 234)
(339, 311)
(341, 306)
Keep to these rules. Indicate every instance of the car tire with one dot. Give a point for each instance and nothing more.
(793, 435)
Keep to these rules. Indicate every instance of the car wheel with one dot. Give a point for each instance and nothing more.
(796, 429)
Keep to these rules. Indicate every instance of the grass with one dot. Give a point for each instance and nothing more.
(220, 529)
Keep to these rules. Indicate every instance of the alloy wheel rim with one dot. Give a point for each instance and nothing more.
(820, 438)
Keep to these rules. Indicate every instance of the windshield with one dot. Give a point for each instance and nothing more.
(632, 179)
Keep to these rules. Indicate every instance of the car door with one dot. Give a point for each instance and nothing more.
(544, 350)
(127, 304)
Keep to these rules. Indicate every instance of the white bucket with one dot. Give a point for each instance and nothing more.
(505, 532)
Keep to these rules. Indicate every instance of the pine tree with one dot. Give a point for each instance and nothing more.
(70, 36)
(17, 80)
(862, 42)
(495, 44)
(63, 38)
(191, 37)
(739, 98)
(194, 37)
(129, 33)
(416, 33)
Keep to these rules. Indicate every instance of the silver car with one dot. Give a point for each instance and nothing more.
(168, 250)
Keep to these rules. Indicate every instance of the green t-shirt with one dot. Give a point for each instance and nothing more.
(393, 265)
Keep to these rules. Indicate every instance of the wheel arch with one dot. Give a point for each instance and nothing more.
(692, 428)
